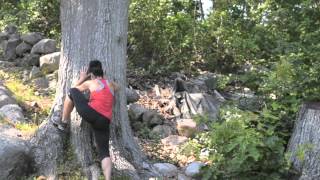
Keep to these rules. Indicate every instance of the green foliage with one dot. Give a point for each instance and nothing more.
(276, 41)
(162, 33)
(240, 146)
(32, 16)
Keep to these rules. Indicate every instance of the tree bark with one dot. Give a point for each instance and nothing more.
(304, 145)
(91, 30)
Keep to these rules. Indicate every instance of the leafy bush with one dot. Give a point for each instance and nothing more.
(239, 146)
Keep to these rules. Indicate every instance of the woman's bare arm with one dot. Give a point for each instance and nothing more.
(114, 86)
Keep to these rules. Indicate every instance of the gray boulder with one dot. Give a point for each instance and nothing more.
(132, 96)
(50, 62)
(197, 104)
(202, 83)
(15, 161)
(166, 169)
(6, 64)
(30, 60)
(254, 103)
(5, 98)
(3, 36)
(193, 169)
(45, 46)
(10, 49)
(183, 177)
(163, 130)
(136, 111)
(23, 48)
(9, 131)
(35, 73)
(32, 38)
(211, 82)
(41, 83)
(3, 45)
(246, 101)
(11, 29)
(12, 112)
(14, 36)
(152, 118)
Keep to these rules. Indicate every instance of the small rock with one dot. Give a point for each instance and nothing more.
(163, 130)
(186, 127)
(32, 38)
(23, 48)
(50, 62)
(25, 75)
(203, 127)
(174, 140)
(12, 112)
(166, 169)
(204, 153)
(193, 169)
(11, 29)
(35, 73)
(52, 81)
(152, 118)
(41, 82)
(156, 89)
(5, 99)
(44, 46)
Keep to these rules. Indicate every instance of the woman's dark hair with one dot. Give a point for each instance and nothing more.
(95, 67)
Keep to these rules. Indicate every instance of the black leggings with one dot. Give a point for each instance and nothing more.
(100, 123)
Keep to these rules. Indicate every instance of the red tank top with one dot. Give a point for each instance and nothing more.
(102, 100)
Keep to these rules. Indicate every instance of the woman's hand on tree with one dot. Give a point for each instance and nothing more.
(84, 73)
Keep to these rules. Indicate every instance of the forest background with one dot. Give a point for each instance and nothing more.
(270, 47)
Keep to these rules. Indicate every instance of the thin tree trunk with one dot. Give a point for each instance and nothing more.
(94, 29)
(304, 145)
(201, 10)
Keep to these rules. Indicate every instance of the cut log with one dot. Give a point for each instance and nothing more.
(304, 145)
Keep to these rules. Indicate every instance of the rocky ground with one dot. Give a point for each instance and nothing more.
(161, 108)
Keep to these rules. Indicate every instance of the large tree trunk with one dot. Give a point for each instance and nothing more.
(304, 145)
(94, 29)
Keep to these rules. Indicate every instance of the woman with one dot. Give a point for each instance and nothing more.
(97, 111)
